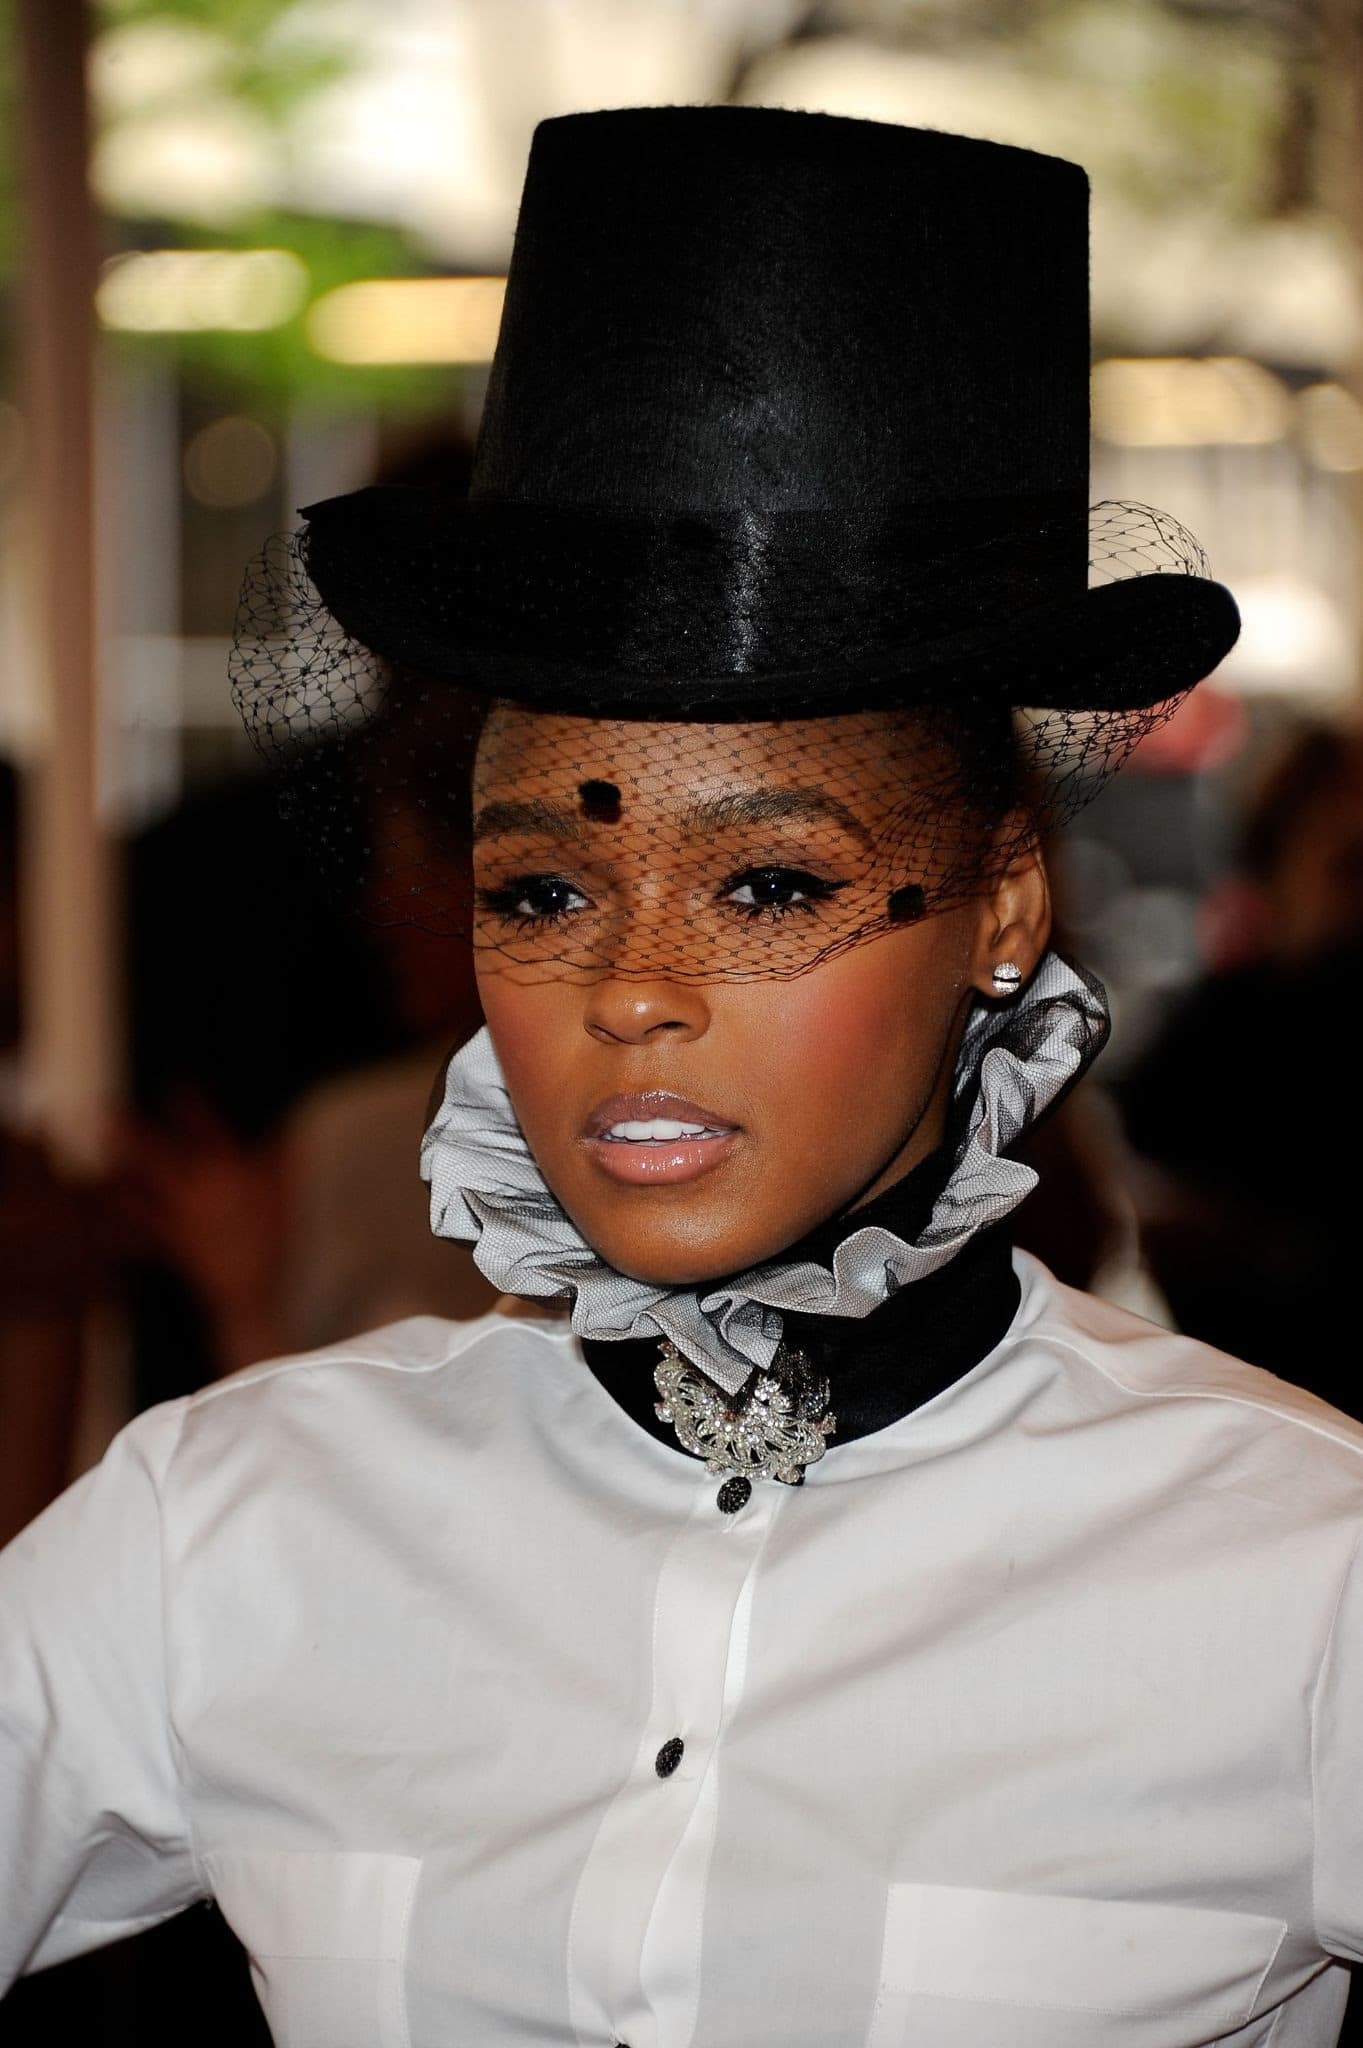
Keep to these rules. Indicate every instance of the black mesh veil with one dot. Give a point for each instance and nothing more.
(710, 846)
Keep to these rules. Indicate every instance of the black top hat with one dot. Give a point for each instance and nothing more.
(786, 410)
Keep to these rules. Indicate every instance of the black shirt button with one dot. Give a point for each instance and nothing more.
(669, 1756)
(733, 1495)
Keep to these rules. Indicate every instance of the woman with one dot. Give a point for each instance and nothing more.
(790, 1619)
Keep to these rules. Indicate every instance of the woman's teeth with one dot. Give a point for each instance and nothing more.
(660, 1128)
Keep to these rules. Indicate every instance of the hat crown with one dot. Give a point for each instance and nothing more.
(782, 402)
(714, 308)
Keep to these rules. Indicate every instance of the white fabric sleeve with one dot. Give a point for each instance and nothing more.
(94, 1837)
(1337, 1773)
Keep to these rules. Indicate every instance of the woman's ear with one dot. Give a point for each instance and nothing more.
(1014, 924)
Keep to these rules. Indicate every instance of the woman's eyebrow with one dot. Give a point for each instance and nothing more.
(527, 814)
(768, 806)
(707, 814)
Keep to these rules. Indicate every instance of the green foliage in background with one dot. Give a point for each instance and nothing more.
(1197, 110)
(277, 364)
(1192, 112)
(265, 72)
(244, 62)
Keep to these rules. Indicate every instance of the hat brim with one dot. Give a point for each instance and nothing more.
(394, 584)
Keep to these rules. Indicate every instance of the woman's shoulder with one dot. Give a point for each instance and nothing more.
(1141, 1362)
(413, 1342)
(415, 1348)
(379, 1401)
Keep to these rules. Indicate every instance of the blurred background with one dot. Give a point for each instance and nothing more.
(251, 255)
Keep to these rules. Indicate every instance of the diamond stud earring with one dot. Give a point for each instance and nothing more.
(1007, 978)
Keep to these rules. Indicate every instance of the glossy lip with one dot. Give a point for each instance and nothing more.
(643, 1107)
(643, 1163)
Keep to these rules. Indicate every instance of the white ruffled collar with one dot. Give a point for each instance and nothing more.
(1015, 1061)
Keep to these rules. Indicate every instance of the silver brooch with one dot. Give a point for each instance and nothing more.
(772, 1434)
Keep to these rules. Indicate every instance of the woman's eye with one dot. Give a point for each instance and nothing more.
(533, 899)
(770, 892)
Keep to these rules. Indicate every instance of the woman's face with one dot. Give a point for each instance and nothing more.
(655, 849)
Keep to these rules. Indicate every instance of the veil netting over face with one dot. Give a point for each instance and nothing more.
(786, 441)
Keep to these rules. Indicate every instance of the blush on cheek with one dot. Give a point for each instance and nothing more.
(852, 1061)
(858, 1020)
(531, 1035)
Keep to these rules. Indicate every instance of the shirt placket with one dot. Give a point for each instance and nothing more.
(634, 1946)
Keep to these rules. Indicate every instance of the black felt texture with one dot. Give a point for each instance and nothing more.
(788, 412)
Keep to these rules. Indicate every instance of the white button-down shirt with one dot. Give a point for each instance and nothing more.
(1034, 1720)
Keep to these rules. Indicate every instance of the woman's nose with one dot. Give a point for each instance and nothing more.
(631, 1012)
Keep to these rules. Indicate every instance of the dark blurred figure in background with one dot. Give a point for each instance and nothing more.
(59, 1244)
(245, 988)
(292, 1213)
(1243, 1113)
(285, 1050)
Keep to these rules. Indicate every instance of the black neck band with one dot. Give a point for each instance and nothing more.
(880, 1366)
